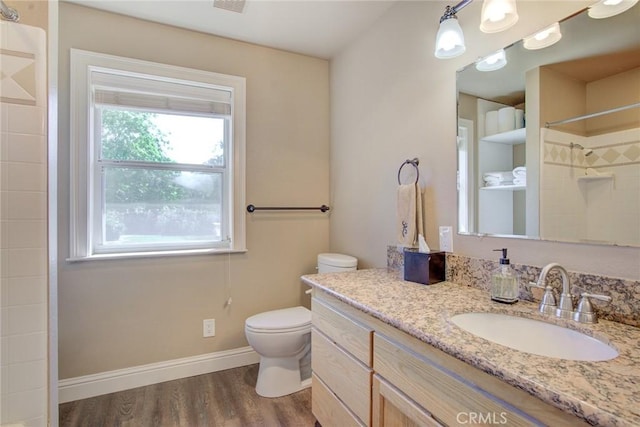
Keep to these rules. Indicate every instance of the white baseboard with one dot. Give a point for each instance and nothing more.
(123, 379)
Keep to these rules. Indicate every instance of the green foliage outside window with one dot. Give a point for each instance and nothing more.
(146, 201)
(132, 135)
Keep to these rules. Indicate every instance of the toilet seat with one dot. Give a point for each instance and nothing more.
(278, 331)
(279, 321)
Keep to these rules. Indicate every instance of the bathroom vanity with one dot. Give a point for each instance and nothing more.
(385, 352)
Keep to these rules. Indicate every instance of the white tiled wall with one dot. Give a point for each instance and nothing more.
(23, 236)
(591, 210)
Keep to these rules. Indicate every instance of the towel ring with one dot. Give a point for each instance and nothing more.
(414, 162)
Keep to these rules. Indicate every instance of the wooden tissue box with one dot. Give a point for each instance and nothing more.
(426, 268)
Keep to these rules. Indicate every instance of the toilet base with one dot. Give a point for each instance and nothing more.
(280, 376)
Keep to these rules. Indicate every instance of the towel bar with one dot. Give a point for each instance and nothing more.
(252, 208)
(414, 162)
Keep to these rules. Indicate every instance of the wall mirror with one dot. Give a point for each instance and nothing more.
(549, 144)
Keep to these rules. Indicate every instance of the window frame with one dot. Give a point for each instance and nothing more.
(85, 173)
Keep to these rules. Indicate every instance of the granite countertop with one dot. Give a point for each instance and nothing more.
(603, 393)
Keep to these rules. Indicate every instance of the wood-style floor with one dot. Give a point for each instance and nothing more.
(221, 399)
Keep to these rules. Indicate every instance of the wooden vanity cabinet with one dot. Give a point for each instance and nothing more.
(341, 349)
(366, 372)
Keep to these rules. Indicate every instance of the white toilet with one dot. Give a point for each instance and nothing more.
(282, 338)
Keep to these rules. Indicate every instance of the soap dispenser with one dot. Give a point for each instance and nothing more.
(504, 282)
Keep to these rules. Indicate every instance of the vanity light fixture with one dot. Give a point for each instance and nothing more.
(492, 62)
(609, 8)
(498, 15)
(543, 38)
(450, 40)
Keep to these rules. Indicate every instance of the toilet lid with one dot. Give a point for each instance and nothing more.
(337, 260)
(286, 318)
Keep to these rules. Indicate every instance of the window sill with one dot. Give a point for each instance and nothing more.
(159, 254)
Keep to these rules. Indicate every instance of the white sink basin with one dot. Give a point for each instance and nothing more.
(534, 336)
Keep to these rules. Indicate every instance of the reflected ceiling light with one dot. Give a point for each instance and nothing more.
(492, 62)
(450, 40)
(608, 8)
(543, 38)
(498, 15)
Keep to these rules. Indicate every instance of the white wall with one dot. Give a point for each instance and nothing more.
(391, 99)
(23, 221)
(563, 206)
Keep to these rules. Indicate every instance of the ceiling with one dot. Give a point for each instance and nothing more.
(319, 28)
(322, 28)
(598, 67)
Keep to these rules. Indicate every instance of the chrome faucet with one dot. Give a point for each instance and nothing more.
(584, 312)
(565, 307)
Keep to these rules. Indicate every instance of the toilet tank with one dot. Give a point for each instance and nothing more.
(330, 263)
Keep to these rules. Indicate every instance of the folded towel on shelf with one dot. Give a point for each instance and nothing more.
(497, 183)
(492, 179)
(520, 181)
(502, 175)
(409, 212)
(489, 180)
(520, 171)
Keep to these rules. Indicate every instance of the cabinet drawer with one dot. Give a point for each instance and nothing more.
(349, 379)
(351, 335)
(328, 409)
(392, 408)
(443, 393)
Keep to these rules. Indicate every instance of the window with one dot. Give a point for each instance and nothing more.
(465, 175)
(157, 158)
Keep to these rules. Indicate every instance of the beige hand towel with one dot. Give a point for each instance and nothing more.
(409, 212)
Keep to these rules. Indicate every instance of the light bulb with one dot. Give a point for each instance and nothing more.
(608, 8)
(447, 43)
(498, 15)
(543, 38)
(450, 40)
(492, 62)
(495, 15)
(492, 59)
(542, 35)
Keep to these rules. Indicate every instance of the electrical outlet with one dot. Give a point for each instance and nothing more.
(209, 328)
(446, 238)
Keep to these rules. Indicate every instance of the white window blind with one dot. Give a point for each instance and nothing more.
(134, 91)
